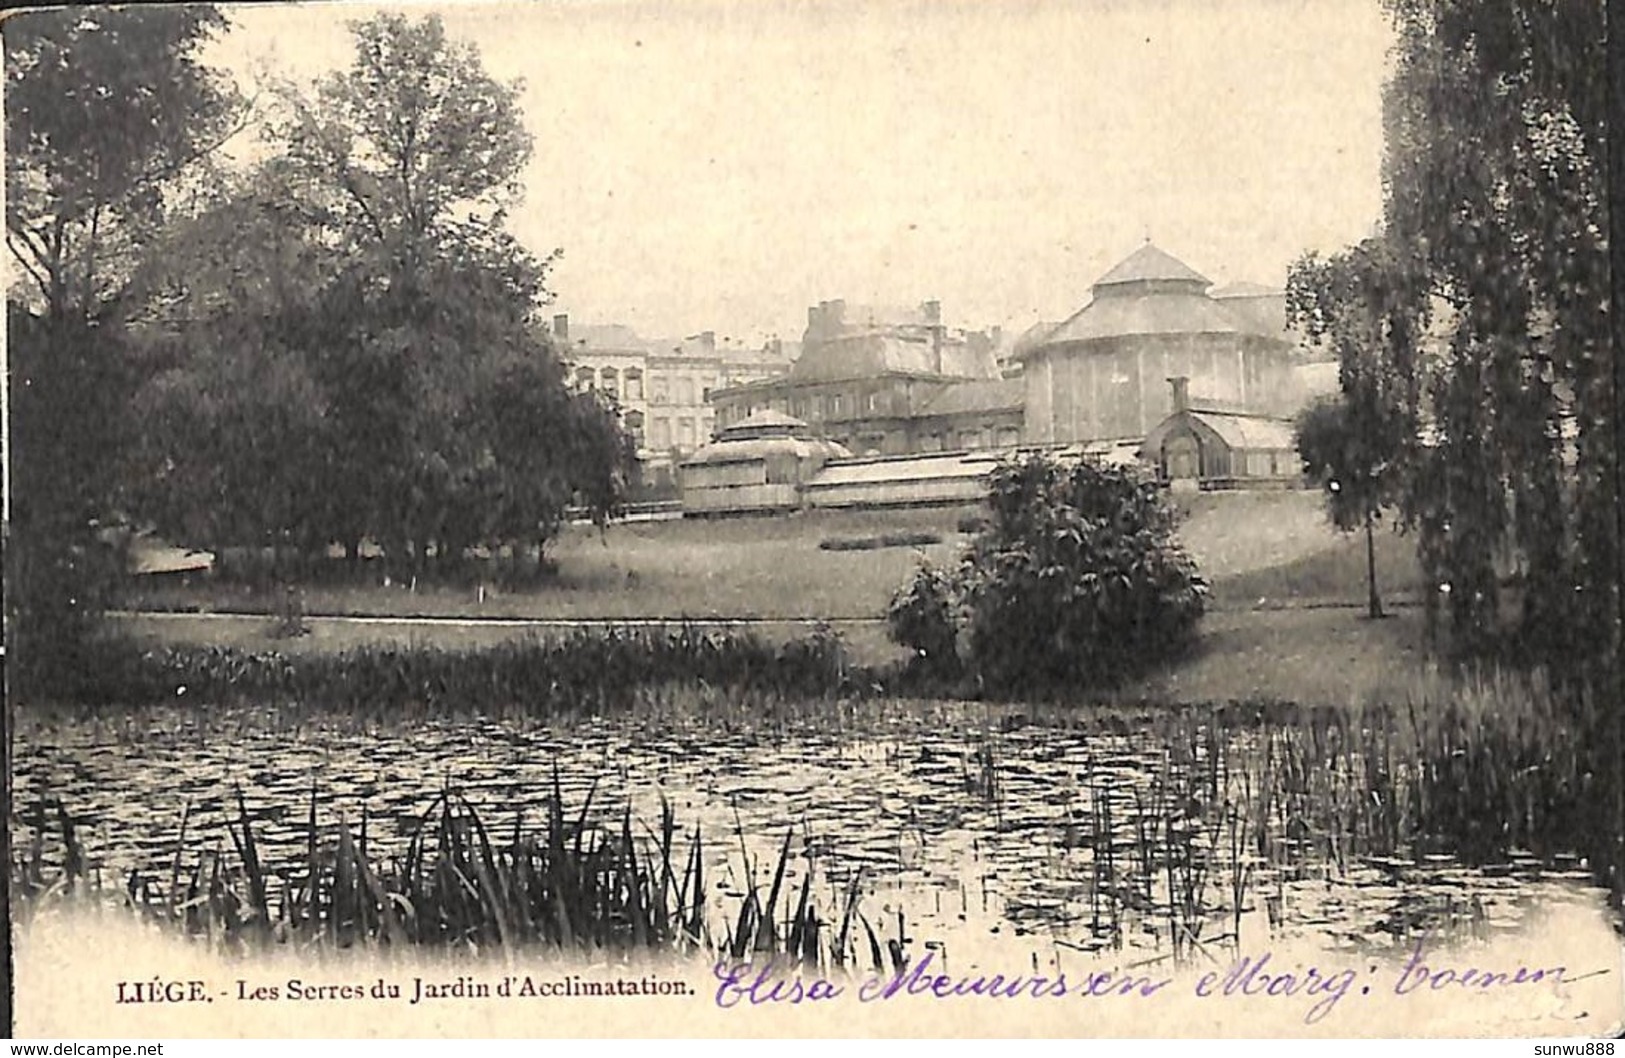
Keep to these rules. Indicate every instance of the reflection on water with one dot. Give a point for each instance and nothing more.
(1036, 839)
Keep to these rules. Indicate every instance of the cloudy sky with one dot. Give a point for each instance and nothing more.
(711, 165)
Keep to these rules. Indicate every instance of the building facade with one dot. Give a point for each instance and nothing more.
(887, 382)
(1159, 369)
(662, 385)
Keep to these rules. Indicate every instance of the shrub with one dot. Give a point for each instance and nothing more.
(902, 538)
(1075, 581)
(58, 583)
(921, 617)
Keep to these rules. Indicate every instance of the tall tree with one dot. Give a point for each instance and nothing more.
(109, 113)
(1496, 135)
(415, 144)
(382, 372)
(416, 151)
(1351, 465)
(107, 109)
(232, 449)
(550, 448)
(1356, 304)
(1495, 231)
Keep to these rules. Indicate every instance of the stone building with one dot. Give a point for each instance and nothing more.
(1102, 375)
(662, 385)
(1158, 368)
(887, 382)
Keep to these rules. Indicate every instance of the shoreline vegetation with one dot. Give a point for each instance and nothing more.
(1483, 769)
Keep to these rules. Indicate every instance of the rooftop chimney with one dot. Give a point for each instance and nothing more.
(933, 320)
(561, 327)
(1182, 393)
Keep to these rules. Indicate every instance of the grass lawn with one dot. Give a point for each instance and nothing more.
(1284, 620)
(736, 567)
(1312, 657)
(1257, 549)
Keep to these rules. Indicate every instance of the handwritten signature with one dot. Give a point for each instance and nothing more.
(742, 984)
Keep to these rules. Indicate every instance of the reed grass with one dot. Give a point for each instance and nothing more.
(585, 883)
(1232, 801)
(584, 671)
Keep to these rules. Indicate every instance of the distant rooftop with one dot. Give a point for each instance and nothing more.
(1150, 264)
(981, 395)
(1153, 292)
(1244, 290)
(766, 422)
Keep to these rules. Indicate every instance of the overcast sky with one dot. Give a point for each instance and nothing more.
(711, 165)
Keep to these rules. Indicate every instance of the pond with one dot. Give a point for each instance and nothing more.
(968, 832)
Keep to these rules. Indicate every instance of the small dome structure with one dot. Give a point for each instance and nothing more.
(757, 464)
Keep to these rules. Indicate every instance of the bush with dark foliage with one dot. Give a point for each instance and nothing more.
(921, 617)
(1076, 582)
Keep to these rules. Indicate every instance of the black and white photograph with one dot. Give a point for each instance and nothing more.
(812, 518)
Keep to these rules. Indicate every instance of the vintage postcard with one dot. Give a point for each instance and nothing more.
(892, 518)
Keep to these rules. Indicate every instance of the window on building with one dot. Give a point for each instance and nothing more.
(610, 381)
(634, 426)
(684, 389)
(837, 405)
(659, 391)
(1009, 437)
(585, 377)
(685, 433)
(634, 383)
(660, 432)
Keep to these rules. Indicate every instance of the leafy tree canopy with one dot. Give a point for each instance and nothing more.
(106, 110)
(354, 306)
(1473, 331)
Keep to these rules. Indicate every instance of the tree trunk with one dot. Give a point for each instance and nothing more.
(1373, 601)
